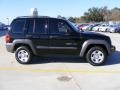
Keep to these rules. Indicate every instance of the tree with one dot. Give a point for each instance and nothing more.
(97, 14)
(72, 19)
(106, 13)
(94, 15)
(115, 14)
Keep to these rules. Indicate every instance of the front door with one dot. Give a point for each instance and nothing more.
(62, 38)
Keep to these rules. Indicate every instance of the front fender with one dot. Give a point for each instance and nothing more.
(87, 43)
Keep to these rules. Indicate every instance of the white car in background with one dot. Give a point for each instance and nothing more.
(104, 28)
(96, 28)
(114, 28)
(99, 27)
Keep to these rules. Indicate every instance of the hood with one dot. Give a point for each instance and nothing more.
(93, 35)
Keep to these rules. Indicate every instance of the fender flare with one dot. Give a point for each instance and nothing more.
(26, 42)
(94, 42)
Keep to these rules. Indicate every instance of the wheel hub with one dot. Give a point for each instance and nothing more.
(23, 55)
(97, 56)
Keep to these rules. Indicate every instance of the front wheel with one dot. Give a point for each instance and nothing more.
(23, 55)
(96, 56)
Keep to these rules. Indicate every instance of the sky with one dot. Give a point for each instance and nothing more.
(76, 8)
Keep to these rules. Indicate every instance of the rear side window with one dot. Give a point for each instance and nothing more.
(18, 26)
(37, 26)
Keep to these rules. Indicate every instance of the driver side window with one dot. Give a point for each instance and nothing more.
(63, 28)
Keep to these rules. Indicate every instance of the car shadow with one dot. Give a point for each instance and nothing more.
(56, 59)
(3, 32)
(111, 60)
(114, 58)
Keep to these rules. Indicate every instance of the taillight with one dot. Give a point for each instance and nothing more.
(7, 38)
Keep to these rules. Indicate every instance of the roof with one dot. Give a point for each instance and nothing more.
(33, 17)
(22, 17)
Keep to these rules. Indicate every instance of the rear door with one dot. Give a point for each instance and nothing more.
(38, 34)
(63, 39)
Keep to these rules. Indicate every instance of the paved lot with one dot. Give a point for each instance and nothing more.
(59, 73)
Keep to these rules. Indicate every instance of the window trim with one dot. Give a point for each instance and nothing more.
(34, 21)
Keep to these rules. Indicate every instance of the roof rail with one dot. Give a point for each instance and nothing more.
(33, 17)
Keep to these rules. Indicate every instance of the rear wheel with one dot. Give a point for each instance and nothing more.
(96, 56)
(23, 55)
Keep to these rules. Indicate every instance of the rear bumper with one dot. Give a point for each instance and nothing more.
(9, 47)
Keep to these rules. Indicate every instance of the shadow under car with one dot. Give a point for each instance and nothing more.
(114, 58)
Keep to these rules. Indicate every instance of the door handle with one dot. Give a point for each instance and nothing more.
(29, 36)
(53, 37)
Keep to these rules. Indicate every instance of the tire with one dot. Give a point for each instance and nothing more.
(96, 56)
(23, 55)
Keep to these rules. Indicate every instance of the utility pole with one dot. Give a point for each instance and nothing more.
(8, 20)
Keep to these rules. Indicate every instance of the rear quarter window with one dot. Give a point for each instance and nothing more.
(18, 26)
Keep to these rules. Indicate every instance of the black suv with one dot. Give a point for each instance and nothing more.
(43, 35)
